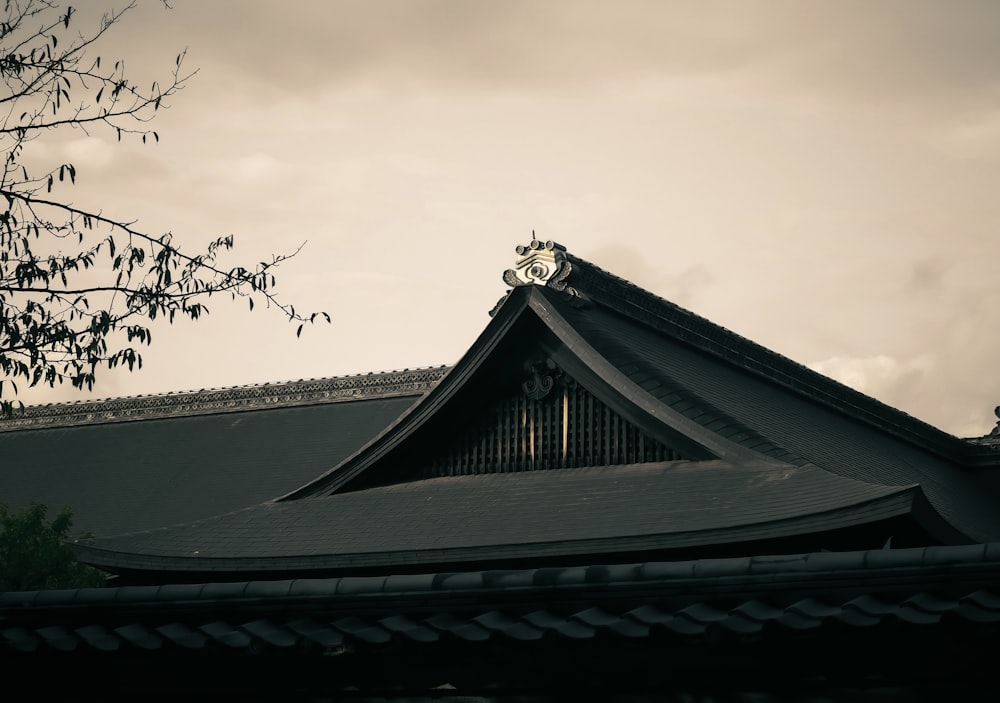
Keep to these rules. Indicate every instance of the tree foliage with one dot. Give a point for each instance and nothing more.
(34, 552)
(79, 288)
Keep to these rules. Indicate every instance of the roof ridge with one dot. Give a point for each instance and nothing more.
(380, 384)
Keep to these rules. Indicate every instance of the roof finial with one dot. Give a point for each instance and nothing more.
(538, 262)
(542, 264)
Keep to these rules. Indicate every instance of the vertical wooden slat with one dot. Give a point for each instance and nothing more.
(579, 443)
(507, 424)
(522, 426)
(498, 456)
(605, 443)
(567, 428)
(616, 423)
(530, 426)
(589, 438)
(486, 450)
(572, 431)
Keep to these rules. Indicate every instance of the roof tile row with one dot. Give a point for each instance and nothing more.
(751, 617)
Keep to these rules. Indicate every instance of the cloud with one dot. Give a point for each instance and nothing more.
(96, 153)
(896, 382)
(807, 174)
(926, 275)
(973, 136)
(260, 167)
(919, 51)
(681, 287)
(877, 375)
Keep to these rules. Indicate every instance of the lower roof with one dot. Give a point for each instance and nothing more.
(142, 474)
(865, 618)
(526, 515)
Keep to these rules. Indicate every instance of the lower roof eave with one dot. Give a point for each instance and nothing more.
(907, 501)
(921, 567)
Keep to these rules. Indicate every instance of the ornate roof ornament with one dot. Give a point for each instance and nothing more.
(540, 264)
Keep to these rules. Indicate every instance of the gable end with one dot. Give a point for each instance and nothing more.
(549, 422)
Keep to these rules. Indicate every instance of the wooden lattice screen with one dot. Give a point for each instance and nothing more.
(566, 427)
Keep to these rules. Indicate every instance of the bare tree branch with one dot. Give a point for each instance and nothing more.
(78, 288)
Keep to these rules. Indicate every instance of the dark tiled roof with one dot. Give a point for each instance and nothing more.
(697, 621)
(781, 422)
(643, 369)
(714, 600)
(189, 460)
(850, 460)
(629, 300)
(531, 514)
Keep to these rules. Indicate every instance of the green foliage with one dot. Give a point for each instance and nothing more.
(34, 554)
(79, 287)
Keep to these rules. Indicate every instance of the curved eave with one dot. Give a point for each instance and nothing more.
(903, 502)
(543, 515)
(829, 570)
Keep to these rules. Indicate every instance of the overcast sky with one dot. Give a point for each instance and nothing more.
(820, 177)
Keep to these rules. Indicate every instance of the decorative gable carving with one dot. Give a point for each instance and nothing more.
(549, 422)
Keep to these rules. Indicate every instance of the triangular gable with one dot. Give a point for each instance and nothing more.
(530, 394)
(549, 421)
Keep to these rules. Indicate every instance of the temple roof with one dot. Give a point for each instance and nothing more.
(492, 518)
(588, 418)
(603, 482)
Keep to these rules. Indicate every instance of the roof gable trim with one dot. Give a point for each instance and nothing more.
(634, 403)
(337, 389)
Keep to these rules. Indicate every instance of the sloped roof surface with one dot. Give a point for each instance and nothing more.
(682, 325)
(160, 463)
(533, 514)
(776, 420)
